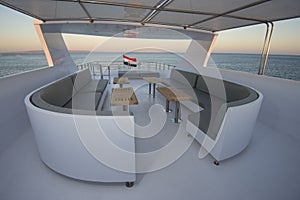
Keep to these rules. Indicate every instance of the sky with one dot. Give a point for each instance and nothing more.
(18, 34)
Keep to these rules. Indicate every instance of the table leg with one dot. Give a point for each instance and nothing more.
(149, 88)
(125, 108)
(177, 106)
(153, 90)
(167, 105)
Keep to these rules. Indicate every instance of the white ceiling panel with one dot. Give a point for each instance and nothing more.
(151, 3)
(115, 12)
(223, 23)
(46, 9)
(210, 13)
(69, 10)
(177, 18)
(41, 8)
(212, 6)
(272, 10)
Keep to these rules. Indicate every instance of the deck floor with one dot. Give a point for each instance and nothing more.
(267, 169)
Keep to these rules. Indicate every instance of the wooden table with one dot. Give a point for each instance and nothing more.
(173, 94)
(123, 97)
(154, 81)
(121, 81)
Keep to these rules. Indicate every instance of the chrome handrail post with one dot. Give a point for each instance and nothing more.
(268, 49)
(263, 50)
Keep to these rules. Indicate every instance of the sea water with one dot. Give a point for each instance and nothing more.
(282, 66)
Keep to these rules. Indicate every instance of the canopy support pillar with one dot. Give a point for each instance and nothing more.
(266, 49)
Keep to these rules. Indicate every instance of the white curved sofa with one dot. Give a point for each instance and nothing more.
(226, 115)
(75, 137)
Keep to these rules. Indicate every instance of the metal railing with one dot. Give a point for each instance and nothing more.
(99, 69)
(266, 49)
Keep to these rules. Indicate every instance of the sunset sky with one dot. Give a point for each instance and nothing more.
(18, 34)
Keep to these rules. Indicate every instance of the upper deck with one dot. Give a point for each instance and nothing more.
(267, 169)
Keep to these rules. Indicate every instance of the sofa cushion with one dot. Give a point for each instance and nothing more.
(186, 78)
(85, 101)
(203, 99)
(58, 93)
(211, 86)
(95, 86)
(236, 92)
(210, 119)
(189, 76)
(252, 97)
(201, 85)
(174, 83)
(114, 113)
(40, 103)
(81, 78)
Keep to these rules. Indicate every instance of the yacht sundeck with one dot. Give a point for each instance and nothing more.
(230, 135)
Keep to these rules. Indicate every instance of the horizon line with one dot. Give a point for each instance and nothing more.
(86, 51)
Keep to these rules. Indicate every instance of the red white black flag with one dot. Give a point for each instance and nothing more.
(129, 61)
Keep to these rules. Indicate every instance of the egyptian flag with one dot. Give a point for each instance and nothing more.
(129, 61)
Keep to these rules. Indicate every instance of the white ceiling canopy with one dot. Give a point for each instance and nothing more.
(210, 15)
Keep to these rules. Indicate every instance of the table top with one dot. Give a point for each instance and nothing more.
(152, 80)
(173, 94)
(123, 96)
(121, 80)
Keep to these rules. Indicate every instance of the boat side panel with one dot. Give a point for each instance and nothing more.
(85, 147)
(14, 88)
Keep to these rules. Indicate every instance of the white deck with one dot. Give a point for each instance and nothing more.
(267, 169)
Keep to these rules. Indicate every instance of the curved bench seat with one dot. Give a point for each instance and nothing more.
(228, 114)
(77, 91)
(75, 137)
(216, 99)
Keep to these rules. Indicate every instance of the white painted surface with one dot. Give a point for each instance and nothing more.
(54, 46)
(73, 145)
(267, 169)
(236, 130)
(187, 108)
(50, 34)
(247, 12)
(14, 88)
(43, 42)
(280, 107)
(234, 134)
(191, 106)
